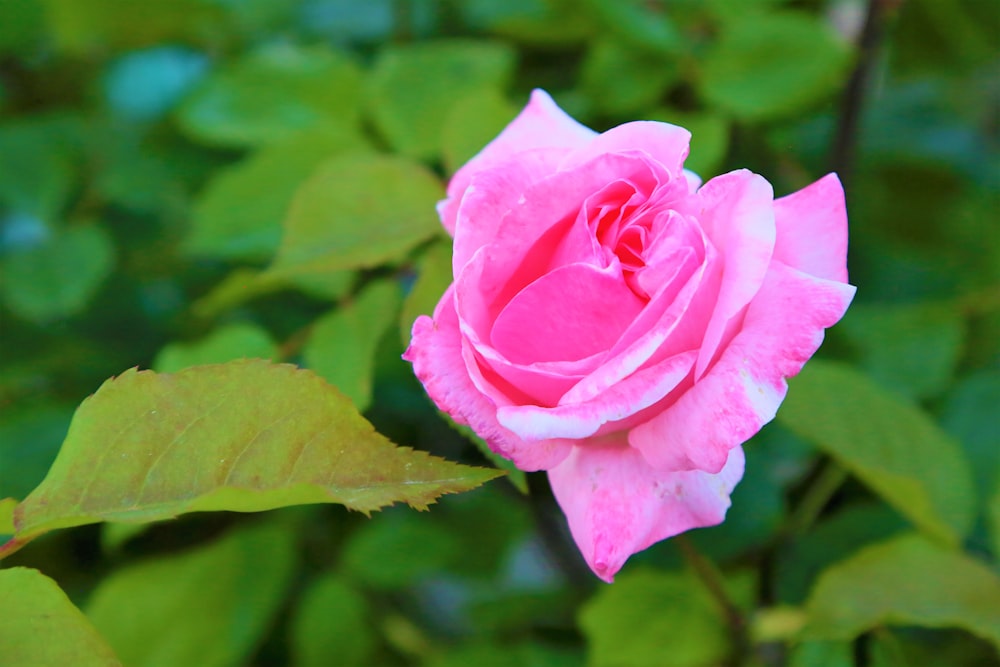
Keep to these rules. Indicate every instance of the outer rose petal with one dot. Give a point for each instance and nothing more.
(541, 124)
(812, 229)
(667, 144)
(783, 327)
(617, 504)
(436, 353)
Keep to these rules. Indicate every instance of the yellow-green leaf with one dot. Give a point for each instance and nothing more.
(907, 580)
(891, 446)
(42, 627)
(244, 436)
(358, 211)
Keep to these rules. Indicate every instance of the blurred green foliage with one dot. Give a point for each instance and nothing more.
(193, 181)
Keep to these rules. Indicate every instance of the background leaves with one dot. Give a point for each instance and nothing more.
(199, 181)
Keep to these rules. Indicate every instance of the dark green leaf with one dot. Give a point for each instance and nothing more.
(647, 25)
(341, 347)
(273, 94)
(773, 64)
(412, 88)
(434, 275)
(890, 445)
(207, 607)
(42, 628)
(907, 580)
(332, 626)
(29, 441)
(58, 276)
(358, 211)
(622, 80)
(245, 436)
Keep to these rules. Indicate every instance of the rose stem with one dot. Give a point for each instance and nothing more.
(845, 142)
(712, 578)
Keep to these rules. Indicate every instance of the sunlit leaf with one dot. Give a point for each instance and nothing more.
(341, 347)
(7, 506)
(272, 94)
(358, 211)
(332, 626)
(244, 436)
(661, 614)
(208, 606)
(239, 214)
(907, 580)
(412, 87)
(59, 275)
(773, 64)
(891, 446)
(42, 627)
(228, 342)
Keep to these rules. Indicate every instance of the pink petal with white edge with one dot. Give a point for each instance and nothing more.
(665, 143)
(618, 505)
(782, 329)
(436, 353)
(812, 229)
(582, 420)
(738, 217)
(541, 124)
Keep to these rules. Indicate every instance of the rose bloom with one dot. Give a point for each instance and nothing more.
(622, 326)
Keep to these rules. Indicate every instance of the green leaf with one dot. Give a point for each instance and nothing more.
(239, 214)
(208, 606)
(907, 580)
(647, 615)
(774, 64)
(7, 506)
(36, 167)
(970, 416)
(993, 516)
(95, 25)
(472, 122)
(891, 446)
(822, 654)
(645, 25)
(42, 627)
(621, 80)
(396, 551)
(357, 212)
(244, 285)
(273, 94)
(332, 626)
(341, 347)
(246, 436)
(412, 87)
(911, 349)
(57, 277)
(232, 341)
(433, 278)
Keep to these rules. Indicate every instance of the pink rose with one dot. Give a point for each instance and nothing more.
(619, 326)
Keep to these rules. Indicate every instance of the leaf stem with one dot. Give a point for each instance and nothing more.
(714, 583)
(816, 497)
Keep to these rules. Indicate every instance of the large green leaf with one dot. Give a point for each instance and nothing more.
(244, 436)
(274, 93)
(208, 607)
(412, 87)
(647, 616)
(890, 445)
(472, 122)
(907, 580)
(342, 344)
(772, 64)
(358, 211)
(57, 277)
(239, 214)
(621, 80)
(42, 627)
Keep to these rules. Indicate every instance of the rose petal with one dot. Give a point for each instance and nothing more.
(571, 313)
(437, 356)
(618, 505)
(541, 124)
(782, 328)
(738, 217)
(582, 420)
(665, 143)
(812, 229)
